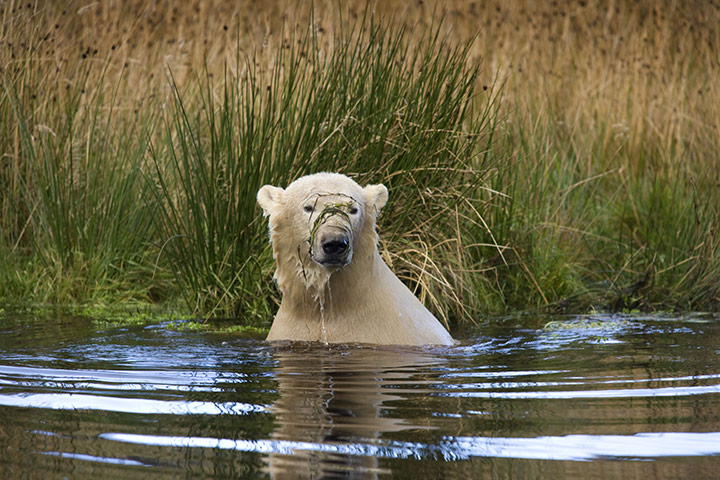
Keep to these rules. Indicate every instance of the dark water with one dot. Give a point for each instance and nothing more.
(616, 397)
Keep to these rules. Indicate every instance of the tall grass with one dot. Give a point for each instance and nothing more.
(83, 223)
(558, 155)
(373, 108)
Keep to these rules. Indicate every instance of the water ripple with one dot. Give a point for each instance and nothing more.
(94, 458)
(135, 380)
(70, 401)
(567, 447)
(577, 394)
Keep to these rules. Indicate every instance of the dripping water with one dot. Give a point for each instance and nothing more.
(322, 323)
(325, 289)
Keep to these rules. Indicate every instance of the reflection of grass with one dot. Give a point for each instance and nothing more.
(130, 154)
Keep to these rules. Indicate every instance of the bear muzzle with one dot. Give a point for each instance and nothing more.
(332, 249)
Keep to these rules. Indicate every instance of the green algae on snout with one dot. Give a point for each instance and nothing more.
(329, 210)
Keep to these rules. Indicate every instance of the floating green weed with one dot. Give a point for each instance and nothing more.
(223, 328)
(587, 323)
(126, 314)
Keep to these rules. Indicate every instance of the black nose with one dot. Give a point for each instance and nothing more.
(335, 246)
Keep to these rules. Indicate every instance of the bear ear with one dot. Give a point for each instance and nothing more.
(376, 196)
(268, 197)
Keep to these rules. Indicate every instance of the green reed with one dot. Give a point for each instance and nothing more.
(76, 225)
(372, 108)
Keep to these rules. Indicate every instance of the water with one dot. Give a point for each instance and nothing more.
(614, 397)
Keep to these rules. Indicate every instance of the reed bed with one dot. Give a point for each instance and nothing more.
(561, 156)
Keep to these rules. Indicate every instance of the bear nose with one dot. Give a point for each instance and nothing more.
(335, 246)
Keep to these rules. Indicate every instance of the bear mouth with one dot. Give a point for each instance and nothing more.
(333, 263)
(334, 260)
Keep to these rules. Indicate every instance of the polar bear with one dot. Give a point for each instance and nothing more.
(335, 286)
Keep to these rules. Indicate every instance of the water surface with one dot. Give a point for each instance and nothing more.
(604, 397)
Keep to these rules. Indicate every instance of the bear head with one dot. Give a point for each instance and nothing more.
(319, 222)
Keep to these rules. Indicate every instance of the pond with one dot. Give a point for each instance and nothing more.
(563, 397)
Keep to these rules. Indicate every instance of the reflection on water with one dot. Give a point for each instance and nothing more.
(624, 397)
(335, 402)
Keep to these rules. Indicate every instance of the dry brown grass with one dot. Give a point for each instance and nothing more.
(641, 71)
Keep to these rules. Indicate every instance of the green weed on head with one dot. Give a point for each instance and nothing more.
(329, 210)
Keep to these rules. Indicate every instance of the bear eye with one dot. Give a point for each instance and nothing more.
(308, 208)
(353, 210)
